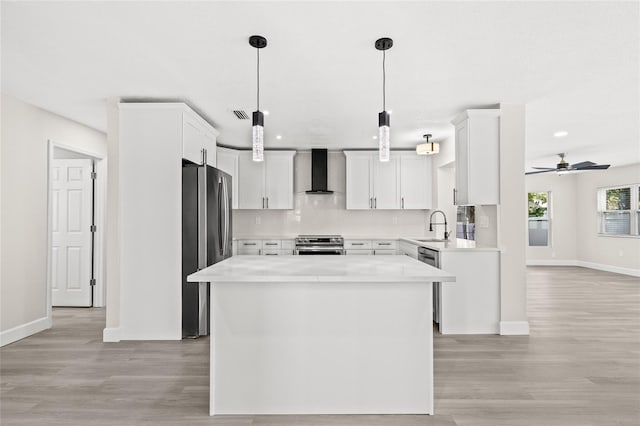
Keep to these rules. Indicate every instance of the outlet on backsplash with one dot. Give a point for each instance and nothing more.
(258, 220)
(394, 220)
(483, 222)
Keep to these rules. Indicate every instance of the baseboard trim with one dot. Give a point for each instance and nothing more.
(591, 265)
(111, 334)
(25, 330)
(514, 328)
(609, 268)
(551, 262)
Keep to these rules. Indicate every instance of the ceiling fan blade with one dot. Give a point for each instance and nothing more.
(596, 167)
(540, 171)
(544, 168)
(582, 165)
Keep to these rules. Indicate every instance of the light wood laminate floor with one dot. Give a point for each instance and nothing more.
(579, 366)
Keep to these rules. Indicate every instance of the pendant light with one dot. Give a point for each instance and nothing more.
(427, 148)
(384, 121)
(258, 42)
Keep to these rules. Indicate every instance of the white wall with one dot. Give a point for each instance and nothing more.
(620, 254)
(574, 222)
(511, 220)
(563, 218)
(26, 131)
(326, 214)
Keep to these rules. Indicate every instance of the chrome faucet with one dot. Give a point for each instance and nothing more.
(431, 223)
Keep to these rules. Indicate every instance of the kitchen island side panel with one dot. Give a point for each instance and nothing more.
(321, 348)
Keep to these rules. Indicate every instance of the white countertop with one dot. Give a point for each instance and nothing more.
(320, 269)
(452, 245)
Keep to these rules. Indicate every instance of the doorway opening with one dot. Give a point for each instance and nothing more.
(76, 217)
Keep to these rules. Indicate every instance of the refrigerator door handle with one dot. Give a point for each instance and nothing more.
(227, 216)
(220, 212)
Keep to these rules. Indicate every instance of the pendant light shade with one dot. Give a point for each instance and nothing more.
(427, 148)
(384, 134)
(258, 136)
(258, 42)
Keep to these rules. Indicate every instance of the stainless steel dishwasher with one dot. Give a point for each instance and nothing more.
(432, 257)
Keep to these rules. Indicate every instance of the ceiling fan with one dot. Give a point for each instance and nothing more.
(563, 167)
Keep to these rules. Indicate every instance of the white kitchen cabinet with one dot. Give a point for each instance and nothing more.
(227, 161)
(370, 247)
(152, 139)
(266, 184)
(404, 182)
(371, 184)
(477, 145)
(198, 135)
(416, 183)
(249, 247)
(359, 186)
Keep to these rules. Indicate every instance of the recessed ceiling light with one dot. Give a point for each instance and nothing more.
(374, 137)
(265, 112)
(390, 111)
(278, 136)
(561, 134)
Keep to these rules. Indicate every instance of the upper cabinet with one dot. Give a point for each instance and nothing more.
(198, 139)
(266, 184)
(404, 182)
(227, 161)
(477, 144)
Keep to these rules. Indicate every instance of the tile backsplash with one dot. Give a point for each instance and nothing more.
(326, 214)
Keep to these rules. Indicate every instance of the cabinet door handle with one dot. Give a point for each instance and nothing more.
(370, 203)
(375, 203)
(402, 202)
(267, 202)
(263, 202)
(204, 156)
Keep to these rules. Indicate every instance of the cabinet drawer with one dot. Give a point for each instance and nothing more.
(358, 252)
(387, 252)
(276, 252)
(271, 244)
(249, 252)
(249, 244)
(287, 244)
(385, 244)
(357, 244)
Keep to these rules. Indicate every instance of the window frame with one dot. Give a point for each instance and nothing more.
(547, 218)
(634, 210)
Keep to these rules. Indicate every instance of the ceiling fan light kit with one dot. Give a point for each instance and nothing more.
(258, 42)
(384, 118)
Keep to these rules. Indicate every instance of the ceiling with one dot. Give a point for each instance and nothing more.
(574, 65)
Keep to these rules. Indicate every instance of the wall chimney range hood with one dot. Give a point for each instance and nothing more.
(319, 172)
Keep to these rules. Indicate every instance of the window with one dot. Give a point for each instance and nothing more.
(618, 208)
(539, 221)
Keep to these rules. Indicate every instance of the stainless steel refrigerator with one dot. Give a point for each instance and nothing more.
(206, 238)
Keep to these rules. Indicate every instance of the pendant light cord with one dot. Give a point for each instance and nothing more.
(384, 81)
(258, 80)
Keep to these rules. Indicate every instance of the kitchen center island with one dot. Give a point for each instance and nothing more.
(321, 334)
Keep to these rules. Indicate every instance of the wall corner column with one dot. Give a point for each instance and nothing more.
(512, 219)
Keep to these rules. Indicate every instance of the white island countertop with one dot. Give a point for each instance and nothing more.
(456, 244)
(320, 269)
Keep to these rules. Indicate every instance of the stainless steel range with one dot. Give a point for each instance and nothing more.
(319, 244)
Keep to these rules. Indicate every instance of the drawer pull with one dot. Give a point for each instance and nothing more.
(270, 244)
(248, 244)
(357, 244)
(384, 244)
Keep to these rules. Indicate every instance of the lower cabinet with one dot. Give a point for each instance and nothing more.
(371, 247)
(264, 247)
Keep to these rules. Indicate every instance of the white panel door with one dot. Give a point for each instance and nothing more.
(250, 182)
(71, 232)
(278, 180)
(359, 181)
(462, 163)
(416, 183)
(386, 184)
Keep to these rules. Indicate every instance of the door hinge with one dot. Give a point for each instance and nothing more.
(92, 282)
(93, 228)
(94, 175)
